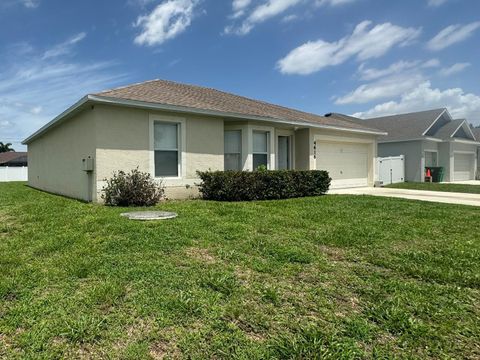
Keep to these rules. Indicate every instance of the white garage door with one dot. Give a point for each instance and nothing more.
(463, 167)
(347, 163)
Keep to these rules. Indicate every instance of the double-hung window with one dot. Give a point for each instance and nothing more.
(233, 150)
(260, 149)
(166, 147)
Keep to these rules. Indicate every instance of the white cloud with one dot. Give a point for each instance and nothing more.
(65, 47)
(431, 63)
(267, 9)
(364, 43)
(36, 110)
(459, 103)
(31, 4)
(454, 69)
(290, 18)
(435, 3)
(239, 7)
(395, 68)
(451, 35)
(165, 22)
(385, 88)
(262, 13)
(333, 2)
(35, 88)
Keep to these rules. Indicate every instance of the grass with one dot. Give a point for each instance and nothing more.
(460, 188)
(331, 277)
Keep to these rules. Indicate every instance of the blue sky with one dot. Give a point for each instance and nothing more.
(363, 57)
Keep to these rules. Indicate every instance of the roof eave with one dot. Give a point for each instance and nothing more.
(465, 141)
(57, 120)
(428, 138)
(434, 121)
(456, 129)
(190, 110)
(182, 109)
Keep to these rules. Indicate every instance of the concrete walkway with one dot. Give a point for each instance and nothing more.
(432, 196)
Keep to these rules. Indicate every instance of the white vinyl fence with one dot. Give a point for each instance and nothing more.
(8, 173)
(391, 170)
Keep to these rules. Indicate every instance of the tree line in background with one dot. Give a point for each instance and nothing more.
(6, 147)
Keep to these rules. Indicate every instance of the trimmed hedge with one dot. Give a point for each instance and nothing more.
(262, 185)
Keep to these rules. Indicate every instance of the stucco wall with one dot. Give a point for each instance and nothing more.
(413, 157)
(55, 159)
(120, 138)
(445, 159)
(303, 149)
(124, 142)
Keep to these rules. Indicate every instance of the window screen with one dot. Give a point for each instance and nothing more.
(233, 150)
(166, 149)
(260, 149)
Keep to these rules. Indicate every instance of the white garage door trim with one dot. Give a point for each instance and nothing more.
(343, 158)
(463, 166)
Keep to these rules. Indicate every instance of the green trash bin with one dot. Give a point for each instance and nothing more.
(438, 173)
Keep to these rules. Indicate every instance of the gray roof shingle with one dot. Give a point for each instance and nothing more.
(447, 130)
(476, 132)
(405, 126)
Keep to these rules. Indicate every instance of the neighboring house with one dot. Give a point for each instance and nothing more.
(427, 138)
(171, 130)
(14, 159)
(13, 166)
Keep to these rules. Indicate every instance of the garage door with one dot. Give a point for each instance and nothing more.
(463, 165)
(347, 163)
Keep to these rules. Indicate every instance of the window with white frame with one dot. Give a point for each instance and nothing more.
(166, 147)
(233, 150)
(260, 149)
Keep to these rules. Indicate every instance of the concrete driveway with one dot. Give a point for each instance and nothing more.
(467, 182)
(432, 196)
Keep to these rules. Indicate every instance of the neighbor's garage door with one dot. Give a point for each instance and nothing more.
(463, 167)
(347, 163)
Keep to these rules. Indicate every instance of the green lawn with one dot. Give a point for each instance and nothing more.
(330, 277)
(460, 188)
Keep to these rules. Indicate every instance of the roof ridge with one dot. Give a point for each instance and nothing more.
(196, 90)
(215, 90)
(126, 86)
(408, 113)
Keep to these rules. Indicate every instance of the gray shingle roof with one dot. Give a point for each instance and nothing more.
(197, 97)
(476, 132)
(405, 126)
(447, 130)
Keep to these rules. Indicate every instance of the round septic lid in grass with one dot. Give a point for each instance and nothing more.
(149, 215)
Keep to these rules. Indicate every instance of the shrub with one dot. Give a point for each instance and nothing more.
(132, 189)
(262, 185)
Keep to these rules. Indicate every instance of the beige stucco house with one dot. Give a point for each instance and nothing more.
(171, 130)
